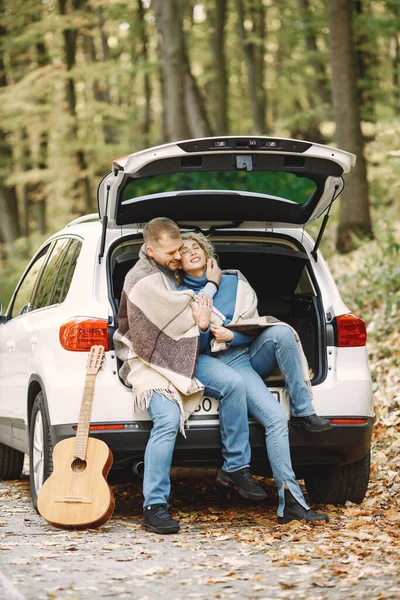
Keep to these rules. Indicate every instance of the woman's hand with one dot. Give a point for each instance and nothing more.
(202, 312)
(221, 334)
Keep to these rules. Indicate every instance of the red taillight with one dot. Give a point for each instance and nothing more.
(80, 334)
(351, 331)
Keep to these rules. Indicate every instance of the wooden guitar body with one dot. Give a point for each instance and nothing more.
(76, 495)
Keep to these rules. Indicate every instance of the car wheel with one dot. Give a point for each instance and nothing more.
(11, 462)
(334, 484)
(40, 448)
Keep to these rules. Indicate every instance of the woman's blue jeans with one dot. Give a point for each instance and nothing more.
(276, 345)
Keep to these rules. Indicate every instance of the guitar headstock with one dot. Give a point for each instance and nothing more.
(95, 360)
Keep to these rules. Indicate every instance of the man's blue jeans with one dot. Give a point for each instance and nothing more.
(220, 382)
(276, 345)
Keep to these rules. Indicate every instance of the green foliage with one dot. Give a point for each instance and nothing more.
(376, 284)
(117, 64)
(284, 185)
(12, 269)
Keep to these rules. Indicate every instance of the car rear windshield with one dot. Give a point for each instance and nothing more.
(288, 186)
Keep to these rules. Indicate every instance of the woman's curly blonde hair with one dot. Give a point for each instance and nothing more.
(204, 244)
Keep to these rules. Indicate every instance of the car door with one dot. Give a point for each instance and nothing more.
(16, 341)
(231, 180)
(27, 338)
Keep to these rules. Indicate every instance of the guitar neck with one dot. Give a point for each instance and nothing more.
(85, 414)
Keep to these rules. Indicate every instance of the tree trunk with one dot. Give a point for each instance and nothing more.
(70, 39)
(354, 218)
(28, 188)
(395, 56)
(39, 193)
(144, 41)
(366, 61)
(169, 22)
(220, 79)
(396, 72)
(100, 88)
(320, 84)
(197, 119)
(257, 13)
(255, 83)
(318, 92)
(9, 220)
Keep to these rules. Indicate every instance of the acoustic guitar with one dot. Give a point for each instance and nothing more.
(76, 495)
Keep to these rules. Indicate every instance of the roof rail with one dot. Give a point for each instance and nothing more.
(84, 219)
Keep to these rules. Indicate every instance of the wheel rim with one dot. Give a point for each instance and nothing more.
(38, 452)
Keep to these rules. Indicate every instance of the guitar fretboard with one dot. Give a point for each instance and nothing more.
(85, 414)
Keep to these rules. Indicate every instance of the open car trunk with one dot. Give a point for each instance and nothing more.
(278, 270)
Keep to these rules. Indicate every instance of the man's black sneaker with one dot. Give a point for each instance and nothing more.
(312, 423)
(157, 518)
(243, 482)
(295, 512)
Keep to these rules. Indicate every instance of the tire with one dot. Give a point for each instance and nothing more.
(335, 484)
(40, 448)
(11, 462)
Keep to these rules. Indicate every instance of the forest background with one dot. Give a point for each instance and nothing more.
(83, 82)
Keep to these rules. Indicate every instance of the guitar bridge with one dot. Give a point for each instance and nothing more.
(74, 499)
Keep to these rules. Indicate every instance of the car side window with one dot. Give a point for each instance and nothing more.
(51, 271)
(25, 291)
(66, 272)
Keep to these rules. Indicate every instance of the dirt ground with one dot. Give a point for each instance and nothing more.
(227, 548)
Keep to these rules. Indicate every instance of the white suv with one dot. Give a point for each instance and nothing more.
(253, 196)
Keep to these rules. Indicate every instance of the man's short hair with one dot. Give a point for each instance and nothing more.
(155, 228)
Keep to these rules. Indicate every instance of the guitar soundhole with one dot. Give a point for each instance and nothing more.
(78, 465)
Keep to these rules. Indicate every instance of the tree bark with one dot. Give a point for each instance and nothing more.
(396, 73)
(395, 56)
(366, 61)
(220, 81)
(9, 221)
(354, 217)
(100, 88)
(70, 39)
(169, 22)
(320, 85)
(144, 41)
(254, 76)
(318, 92)
(199, 125)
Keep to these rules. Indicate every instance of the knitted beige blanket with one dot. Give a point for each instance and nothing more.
(158, 339)
(247, 320)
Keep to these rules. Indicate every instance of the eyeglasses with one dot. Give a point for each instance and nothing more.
(188, 251)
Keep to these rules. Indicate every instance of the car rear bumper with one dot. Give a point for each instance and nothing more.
(201, 448)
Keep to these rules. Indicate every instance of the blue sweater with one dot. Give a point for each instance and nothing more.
(224, 300)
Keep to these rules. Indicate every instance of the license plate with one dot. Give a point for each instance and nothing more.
(210, 406)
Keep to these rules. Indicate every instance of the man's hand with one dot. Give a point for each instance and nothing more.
(213, 272)
(202, 312)
(221, 334)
